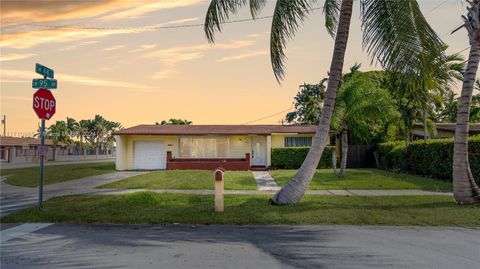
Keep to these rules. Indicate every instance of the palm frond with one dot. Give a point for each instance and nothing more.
(218, 13)
(256, 6)
(287, 17)
(397, 34)
(331, 9)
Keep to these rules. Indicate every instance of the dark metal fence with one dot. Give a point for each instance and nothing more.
(361, 156)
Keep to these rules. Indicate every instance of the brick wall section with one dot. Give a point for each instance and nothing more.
(242, 164)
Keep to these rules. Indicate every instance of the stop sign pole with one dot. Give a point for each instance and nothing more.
(44, 105)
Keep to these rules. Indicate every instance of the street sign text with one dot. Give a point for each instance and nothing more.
(44, 71)
(44, 104)
(44, 83)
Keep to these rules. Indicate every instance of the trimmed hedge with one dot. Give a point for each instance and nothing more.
(293, 157)
(432, 159)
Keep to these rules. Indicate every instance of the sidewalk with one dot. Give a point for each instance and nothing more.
(14, 198)
(259, 192)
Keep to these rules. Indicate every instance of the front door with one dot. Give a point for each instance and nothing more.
(258, 151)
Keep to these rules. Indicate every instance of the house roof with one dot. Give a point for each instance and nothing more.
(450, 127)
(22, 141)
(216, 129)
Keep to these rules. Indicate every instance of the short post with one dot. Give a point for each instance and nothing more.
(218, 174)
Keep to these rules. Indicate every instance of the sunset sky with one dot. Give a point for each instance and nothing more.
(114, 60)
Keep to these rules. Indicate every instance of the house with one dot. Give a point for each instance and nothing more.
(23, 149)
(234, 147)
(443, 130)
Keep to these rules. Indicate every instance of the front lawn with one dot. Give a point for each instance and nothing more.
(148, 207)
(365, 179)
(185, 180)
(28, 177)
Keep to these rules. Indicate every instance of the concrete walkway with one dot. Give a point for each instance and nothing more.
(13, 198)
(257, 192)
(265, 181)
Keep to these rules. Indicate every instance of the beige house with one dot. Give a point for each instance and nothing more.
(233, 147)
(443, 130)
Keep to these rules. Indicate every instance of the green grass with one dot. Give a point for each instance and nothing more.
(148, 207)
(28, 177)
(366, 179)
(186, 180)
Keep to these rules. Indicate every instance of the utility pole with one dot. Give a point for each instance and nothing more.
(4, 122)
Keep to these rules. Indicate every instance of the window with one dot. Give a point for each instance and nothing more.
(203, 147)
(298, 141)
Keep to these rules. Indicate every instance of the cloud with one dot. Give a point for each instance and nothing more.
(77, 45)
(114, 48)
(15, 56)
(187, 53)
(62, 34)
(242, 56)
(135, 10)
(15, 74)
(163, 74)
(17, 98)
(27, 11)
(144, 48)
(23, 40)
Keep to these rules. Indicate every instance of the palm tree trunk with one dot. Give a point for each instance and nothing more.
(465, 190)
(293, 192)
(425, 128)
(343, 165)
(334, 161)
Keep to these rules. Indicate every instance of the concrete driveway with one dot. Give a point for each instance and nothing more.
(227, 246)
(13, 198)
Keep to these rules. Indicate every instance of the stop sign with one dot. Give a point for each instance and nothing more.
(44, 104)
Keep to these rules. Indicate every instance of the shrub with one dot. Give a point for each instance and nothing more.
(432, 159)
(293, 157)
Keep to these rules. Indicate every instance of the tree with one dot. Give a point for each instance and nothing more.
(395, 33)
(308, 103)
(418, 102)
(174, 122)
(58, 133)
(475, 107)
(465, 190)
(451, 70)
(361, 104)
(82, 133)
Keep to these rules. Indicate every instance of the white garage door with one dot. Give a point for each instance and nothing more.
(149, 155)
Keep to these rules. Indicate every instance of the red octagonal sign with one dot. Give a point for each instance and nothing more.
(44, 104)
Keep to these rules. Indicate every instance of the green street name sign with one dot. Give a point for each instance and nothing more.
(44, 71)
(44, 83)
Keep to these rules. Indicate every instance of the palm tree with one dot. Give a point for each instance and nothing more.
(395, 33)
(451, 70)
(82, 132)
(361, 102)
(58, 133)
(72, 127)
(465, 190)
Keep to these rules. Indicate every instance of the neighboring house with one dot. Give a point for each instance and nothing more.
(233, 147)
(443, 130)
(26, 150)
(23, 149)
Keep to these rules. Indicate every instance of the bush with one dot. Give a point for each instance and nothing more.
(432, 159)
(293, 157)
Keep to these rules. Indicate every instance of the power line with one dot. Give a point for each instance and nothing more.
(269, 116)
(435, 8)
(76, 26)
